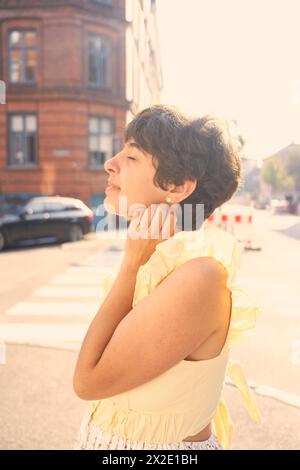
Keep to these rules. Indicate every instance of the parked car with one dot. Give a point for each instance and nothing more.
(260, 204)
(46, 219)
(12, 203)
(279, 206)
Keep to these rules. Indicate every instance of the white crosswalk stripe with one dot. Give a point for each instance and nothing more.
(70, 292)
(53, 308)
(84, 270)
(66, 336)
(77, 292)
(77, 279)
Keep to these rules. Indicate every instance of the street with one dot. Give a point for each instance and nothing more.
(49, 295)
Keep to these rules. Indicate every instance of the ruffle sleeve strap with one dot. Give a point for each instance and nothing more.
(244, 309)
(243, 316)
(165, 259)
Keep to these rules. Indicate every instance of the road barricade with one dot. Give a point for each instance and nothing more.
(238, 220)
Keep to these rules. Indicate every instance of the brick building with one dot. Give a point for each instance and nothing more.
(75, 71)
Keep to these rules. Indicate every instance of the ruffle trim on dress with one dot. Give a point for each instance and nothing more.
(130, 424)
(92, 437)
(135, 425)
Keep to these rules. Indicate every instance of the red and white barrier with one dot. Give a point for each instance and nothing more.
(238, 220)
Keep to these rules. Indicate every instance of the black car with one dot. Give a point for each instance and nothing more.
(46, 219)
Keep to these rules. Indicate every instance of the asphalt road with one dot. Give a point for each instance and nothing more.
(48, 296)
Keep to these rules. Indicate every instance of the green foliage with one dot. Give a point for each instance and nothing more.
(293, 169)
(275, 173)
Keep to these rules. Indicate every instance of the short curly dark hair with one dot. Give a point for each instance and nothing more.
(189, 148)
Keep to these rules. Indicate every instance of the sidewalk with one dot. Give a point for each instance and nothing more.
(39, 410)
(93, 241)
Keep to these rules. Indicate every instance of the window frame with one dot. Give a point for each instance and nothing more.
(98, 84)
(99, 117)
(23, 54)
(107, 3)
(23, 114)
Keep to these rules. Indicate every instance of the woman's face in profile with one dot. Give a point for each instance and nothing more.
(132, 172)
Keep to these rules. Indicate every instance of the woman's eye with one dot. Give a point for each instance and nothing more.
(131, 158)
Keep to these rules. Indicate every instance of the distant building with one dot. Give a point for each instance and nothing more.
(144, 75)
(75, 72)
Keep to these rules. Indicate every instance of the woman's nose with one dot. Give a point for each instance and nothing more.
(110, 165)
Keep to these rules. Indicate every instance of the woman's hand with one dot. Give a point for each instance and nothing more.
(148, 227)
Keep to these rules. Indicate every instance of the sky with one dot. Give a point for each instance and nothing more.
(239, 59)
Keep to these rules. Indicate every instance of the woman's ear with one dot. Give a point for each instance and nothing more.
(181, 192)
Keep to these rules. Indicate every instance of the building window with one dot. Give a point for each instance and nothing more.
(22, 56)
(23, 140)
(99, 66)
(104, 2)
(101, 141)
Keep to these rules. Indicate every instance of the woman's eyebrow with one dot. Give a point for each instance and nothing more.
(137, 146)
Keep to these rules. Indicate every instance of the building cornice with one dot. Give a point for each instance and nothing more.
(90, 7)
(66, 94)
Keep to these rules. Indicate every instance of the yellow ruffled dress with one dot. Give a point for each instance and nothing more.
(181, 401)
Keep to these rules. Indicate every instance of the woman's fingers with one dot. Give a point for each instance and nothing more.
(154, 222)
(163, 222)
(168, 228)
(134, 226)
(159, 219)
(146, 219)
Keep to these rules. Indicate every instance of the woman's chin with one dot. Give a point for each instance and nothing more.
(110, 206)
(113, 208)
(122, 208)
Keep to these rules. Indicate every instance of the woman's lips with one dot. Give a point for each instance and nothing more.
(110, 187)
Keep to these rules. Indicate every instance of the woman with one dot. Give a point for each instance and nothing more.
(155, 357)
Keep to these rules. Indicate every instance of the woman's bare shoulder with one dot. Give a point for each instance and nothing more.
(207, 265)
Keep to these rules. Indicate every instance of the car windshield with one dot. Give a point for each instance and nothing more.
(35, 207)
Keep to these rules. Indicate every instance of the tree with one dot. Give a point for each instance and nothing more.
(293, 169)
(275, 174)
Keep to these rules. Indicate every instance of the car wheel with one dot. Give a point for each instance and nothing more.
(75, 233)
(2, 241)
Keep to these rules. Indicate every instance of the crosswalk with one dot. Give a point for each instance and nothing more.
(58, 314)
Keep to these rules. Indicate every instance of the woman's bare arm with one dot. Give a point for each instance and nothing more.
(114, 308)
(123, 350)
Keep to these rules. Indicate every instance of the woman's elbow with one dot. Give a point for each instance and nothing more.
(81, 388)
(84, 390)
